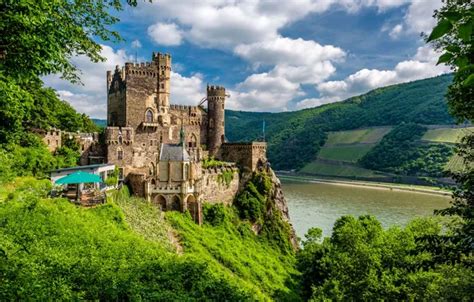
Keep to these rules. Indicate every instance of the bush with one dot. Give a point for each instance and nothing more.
(214, 214)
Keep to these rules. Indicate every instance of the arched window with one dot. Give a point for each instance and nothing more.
(149, 116)
(120, 139)
(176, 203)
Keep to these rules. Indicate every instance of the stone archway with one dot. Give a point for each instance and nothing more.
(193, 207)
(176, 203)
(160, 201)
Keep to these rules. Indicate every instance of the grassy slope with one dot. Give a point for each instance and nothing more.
(350, 153)
(446, 135)
(359, 136)
(230, 252)
(350, 146)
(233, 250)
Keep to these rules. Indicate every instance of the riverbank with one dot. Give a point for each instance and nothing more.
(368, 184)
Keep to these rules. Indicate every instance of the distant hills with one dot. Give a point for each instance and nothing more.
(295, 138)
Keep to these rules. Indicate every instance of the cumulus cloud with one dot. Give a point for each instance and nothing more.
(263, 92)
(165, 34)
(418, 18)
(293, 62)
(186, 90)
(89, 98)
(226, 23)
(422, 65)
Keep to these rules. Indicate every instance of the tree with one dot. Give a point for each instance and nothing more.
(39, 37)
(363, 262)
(453, 35)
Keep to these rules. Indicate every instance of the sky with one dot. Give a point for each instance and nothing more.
(271, 55)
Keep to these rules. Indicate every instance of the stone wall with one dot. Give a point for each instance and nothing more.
(137, 183)
(248, 156)
(52, 138)
(213, 187)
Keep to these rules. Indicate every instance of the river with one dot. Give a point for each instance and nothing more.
(320, 204)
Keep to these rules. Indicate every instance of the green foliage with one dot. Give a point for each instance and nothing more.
(362, 261)
(294, 138)
(211, 162)
(255, 205)
(226, 177)
(456, 41)
(234, 252)
(454, 36)
(251, 204)
(399, 152)
(214, 214)
(93, 254)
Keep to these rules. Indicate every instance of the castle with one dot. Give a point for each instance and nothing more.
(162, 150)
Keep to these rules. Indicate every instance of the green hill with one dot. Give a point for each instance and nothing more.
(295, 138)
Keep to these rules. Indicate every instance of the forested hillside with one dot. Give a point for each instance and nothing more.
(295, 138)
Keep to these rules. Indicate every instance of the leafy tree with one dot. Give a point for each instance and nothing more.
(363, 262)
(454, 35)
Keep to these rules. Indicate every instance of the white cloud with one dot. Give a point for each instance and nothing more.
(263, 92)
(418, 18)
(293, 61)
(186, 90)
(165, 34)
(396, 31)
(423, 65)
(91, 97)
(136, 44)
(224, 24)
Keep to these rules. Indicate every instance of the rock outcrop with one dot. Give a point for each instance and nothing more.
(281, 204)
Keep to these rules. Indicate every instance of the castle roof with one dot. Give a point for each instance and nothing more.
(173, 152)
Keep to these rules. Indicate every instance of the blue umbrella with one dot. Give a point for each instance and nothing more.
(79, 177)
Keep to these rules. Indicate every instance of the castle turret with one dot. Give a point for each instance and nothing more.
(216, 114)
(163, 62)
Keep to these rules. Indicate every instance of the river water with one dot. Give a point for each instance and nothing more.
(320, 204)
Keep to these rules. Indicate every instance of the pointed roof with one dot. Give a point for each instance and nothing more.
(173, 152)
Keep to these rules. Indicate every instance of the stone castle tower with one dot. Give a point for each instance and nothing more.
(216, 112)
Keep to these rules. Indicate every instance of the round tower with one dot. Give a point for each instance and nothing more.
(163, 62)
(215, 115)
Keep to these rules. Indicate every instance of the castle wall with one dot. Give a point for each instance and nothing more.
(247, 155)
(137, 183)
(52, 138)
(215, 190)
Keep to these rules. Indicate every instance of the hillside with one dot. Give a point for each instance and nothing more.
(295, 138)
(127, 249)
(360, 154)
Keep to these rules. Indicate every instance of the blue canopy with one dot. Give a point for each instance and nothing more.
(79, 177)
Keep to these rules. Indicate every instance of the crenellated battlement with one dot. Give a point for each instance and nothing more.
(215, 91)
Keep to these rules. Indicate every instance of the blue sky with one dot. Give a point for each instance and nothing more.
(271, 55)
